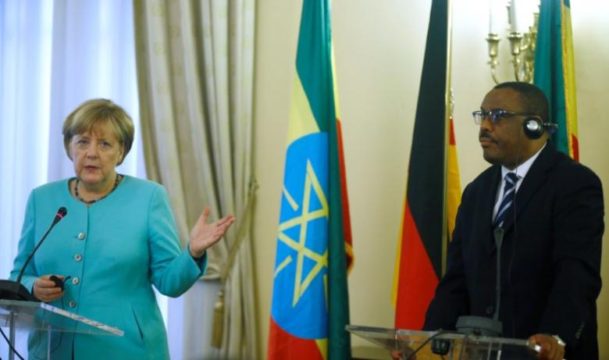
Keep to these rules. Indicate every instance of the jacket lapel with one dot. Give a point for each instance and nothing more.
(489, 199)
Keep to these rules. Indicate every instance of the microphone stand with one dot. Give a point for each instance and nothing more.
(14, 290)
(12, 335)
(479, 325)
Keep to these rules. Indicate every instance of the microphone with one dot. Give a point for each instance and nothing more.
(550, 127)
(14, 290)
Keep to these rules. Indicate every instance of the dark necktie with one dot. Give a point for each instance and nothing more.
(509, 190)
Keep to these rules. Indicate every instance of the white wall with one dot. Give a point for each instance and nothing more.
(379, 48)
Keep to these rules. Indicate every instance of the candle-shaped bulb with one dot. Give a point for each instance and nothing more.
(513, 16)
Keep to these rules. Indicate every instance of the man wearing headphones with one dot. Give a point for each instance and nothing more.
(526, 248)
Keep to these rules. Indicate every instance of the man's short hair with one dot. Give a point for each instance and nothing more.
(532, 97)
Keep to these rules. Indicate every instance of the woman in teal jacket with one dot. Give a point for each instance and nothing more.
(118, 239)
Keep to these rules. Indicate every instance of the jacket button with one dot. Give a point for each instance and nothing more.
(75, 281)
(72, 304)
(77, 257)
(81, 236)
(489, 310)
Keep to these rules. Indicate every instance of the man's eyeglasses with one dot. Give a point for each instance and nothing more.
(495, 115)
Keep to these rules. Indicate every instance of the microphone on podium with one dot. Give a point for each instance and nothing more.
(14, 290)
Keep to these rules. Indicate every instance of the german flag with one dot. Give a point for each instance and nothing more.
(433, 190)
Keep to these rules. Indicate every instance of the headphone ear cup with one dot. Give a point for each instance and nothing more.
(533, 128)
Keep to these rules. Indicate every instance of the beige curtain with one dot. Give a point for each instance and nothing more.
(195, 75)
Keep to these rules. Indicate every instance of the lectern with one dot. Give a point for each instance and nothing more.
(424, 345)
(45, 319)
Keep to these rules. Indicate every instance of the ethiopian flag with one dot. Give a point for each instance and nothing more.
(310, 304)
(555, 72)
(433, 191)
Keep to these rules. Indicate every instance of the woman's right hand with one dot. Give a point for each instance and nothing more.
(46, 290)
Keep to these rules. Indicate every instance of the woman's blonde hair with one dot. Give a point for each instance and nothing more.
(96, 111)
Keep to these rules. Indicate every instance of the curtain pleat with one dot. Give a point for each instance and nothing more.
(195, 78)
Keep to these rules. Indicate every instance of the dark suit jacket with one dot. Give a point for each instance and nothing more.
(550, 257)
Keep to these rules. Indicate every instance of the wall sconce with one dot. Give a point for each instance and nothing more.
(523, 18)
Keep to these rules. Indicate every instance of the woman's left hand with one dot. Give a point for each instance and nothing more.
(203, 235)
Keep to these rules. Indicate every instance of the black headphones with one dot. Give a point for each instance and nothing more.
(533, 127)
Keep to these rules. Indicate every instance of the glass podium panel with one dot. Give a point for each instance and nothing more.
(42, 316)
(19, 318)
(423, 345)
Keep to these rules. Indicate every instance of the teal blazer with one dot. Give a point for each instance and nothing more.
(114, 251)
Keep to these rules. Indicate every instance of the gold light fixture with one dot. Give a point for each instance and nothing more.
(523, 18)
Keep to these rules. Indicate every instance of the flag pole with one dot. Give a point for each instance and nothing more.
(448, 107)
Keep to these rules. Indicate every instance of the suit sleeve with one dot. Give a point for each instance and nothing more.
(577, 229)
(173, 270)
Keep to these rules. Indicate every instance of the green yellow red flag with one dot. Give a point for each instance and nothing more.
(310, 302)
(555, 72)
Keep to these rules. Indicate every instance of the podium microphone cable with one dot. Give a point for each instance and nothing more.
(10, 345)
